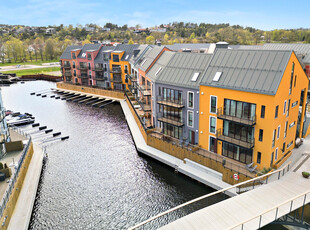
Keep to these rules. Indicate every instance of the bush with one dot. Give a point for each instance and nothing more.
(264, 171)
(1, 165)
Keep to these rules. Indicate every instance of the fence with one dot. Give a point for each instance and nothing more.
(234, 187)
(12, 192)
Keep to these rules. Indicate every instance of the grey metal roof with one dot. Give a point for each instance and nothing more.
(67, 53)
(129, 50)
(150, 57)
(103, 50)
(135, 58)
(192, 46)
(182, 67)
(161, 62)
(258, 71)
(88, 47)
(302, 50)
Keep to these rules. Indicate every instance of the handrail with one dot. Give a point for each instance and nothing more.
(206, 196)
(270, 209)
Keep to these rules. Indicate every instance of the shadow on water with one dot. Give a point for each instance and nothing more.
(96, 179)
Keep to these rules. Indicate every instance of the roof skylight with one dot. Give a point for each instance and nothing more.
(195, 76)
(158, 71)
(217, 76)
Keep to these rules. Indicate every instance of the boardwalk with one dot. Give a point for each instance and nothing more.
(247, 208)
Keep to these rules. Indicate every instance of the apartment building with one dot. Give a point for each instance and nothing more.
(177, 95)
(68, 63)
(252, 105)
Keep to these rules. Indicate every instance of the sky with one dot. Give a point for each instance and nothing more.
(261, 14)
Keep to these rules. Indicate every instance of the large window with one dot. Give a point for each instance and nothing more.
(171, 113)
(239, 109)
(172, 95)
(73, 65)
(261, 133)
(278, 136)
(273, 138)
(285, 129)
(190, 103)
(190, 118)
(237, 131)
(276, 112)
(237, 153)
(73, 56)
(213, 104)
(115, 58)
(212, 124)
(172, 131)
(126, 69)
(89, 66)
(292, 76)
(284, 107)
(288, 108)
(89, 56)
(259, 156)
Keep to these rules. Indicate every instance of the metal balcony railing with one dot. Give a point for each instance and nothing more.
(144, 106)
(177, 103)
(249, 120)
(82, 67)
(68, 74)
(132, 77)
(116, 79)
(98, 68)
(116, 70)
(82, 76)
(67, 66)
(249, 143)
(102, 78)
(146, 91)
(176, 121)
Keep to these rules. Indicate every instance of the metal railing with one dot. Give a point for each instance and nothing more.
(178, 103)
(8, 191)
(173, 120)
(68, 74)
(243, 143)
(116, 70)
(276, 210)
(260, 178)
(82, 67)
(67, 66)
(82, 76)
(98, 68)
(249, 120)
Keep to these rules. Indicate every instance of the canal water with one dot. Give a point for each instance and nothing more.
(97, 179)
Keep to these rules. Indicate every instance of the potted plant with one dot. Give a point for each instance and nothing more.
(305, 174)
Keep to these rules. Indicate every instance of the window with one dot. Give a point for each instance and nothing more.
(284, 107)
(285, 130)
(73, 63)
(239, 109)
(261, 133)
(273, 138)
(295, 80)
(289, 144)
(115, 58)
(212, 144)
(190, 102)
(288, 108)
(89, 56)
(74, 73)
(283, 148)
(190, 118)
(278, 136)
(195, 77)
(294, 104)
(276, 154)
(237, 153)
(212, 124)
(213, 104)
(262, 111)
(73, 56)
(126, 69)
(89, 67)
(292, 76)
(276, 112)
(89, 74)
(259, 156)
(105, 67)
(217, 76)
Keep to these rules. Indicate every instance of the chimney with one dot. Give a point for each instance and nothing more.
(221, 45)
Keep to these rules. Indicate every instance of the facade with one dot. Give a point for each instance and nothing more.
(85, 64)
(177, 95)
(102, 67)
(251, 105)
(120, 66)
(68, 64)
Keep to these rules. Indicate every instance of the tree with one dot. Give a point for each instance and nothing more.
(39, 46)
(50, 48)
(86, 41)
(16, 47)
(150, 39)
(192, 36)
(130, 42)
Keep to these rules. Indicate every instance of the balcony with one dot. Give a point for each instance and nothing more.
(176, 121)
(170, 102)
(68, 74)
(145, 107)
(116, 70)
(132, 77)
(82, 76)
(116, 79)
(67, 66)
(82, 67)
(101, 78)
(146, 91)
(248, 144)
(250, 121)
(98, 68)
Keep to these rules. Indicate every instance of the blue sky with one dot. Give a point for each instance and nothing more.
(262, 14)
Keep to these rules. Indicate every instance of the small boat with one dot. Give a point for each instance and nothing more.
(22, 119)
(8, 79)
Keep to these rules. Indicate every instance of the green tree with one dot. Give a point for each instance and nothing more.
(130, 42)
(50, 48)
(150, 39)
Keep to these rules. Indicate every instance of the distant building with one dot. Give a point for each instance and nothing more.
(89, 29)
(104, 29)
(50, 31)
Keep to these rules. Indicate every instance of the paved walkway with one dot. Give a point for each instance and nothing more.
(231, 212)
(23, 209)
(22, 67)
(198, 172)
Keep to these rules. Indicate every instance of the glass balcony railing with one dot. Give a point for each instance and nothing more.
(243, 142)
(173, 120)
(247, 120)
(177, 103)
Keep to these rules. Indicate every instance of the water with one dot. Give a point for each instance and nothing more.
(96, 179)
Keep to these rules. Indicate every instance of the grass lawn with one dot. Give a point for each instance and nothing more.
(33, 71)
(28, 63)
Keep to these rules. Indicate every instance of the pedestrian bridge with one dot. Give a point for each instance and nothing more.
(276, 194)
